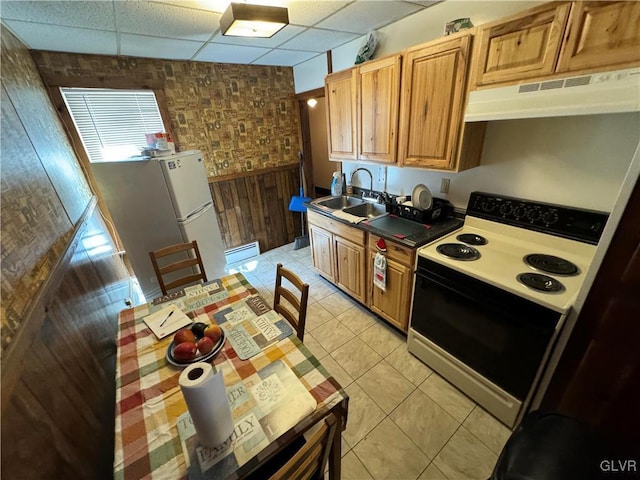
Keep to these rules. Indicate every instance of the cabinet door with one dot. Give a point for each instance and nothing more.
(340, 92)
(431, 103)
(393, 303)
(322, 252)
(601, 34)
(378, 104)
(522, 46)
(350, 262)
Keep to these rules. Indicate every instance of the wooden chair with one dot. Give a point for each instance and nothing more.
(178, 264)
(298, 318)
(310, 461)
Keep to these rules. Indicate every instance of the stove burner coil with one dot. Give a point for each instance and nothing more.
(458, 251)
(551, 264)
(472, 239)
(540, 282)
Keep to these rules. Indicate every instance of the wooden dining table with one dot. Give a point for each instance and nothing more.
(149, 401)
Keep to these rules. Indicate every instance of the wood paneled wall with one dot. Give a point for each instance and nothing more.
(255, 206)
(58, 378)
(62, 287)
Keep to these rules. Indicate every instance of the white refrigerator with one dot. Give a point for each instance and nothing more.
(160, 202)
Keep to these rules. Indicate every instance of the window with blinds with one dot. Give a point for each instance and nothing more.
(113, 123)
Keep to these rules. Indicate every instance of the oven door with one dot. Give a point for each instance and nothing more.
(499, 335)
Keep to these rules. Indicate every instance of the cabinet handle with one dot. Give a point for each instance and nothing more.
(426, 109)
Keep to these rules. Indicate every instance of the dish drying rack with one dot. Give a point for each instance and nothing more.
(439, 209)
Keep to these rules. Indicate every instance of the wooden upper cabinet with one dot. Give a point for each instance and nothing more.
(378, 87)
(340, 94)
(522, 46)
(432, 102)
(601, 34)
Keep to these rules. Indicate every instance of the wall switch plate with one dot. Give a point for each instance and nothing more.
(444, 185)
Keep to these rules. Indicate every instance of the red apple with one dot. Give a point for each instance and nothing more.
(185, 351)
(214, 332)
(205, 345)
(184, 335)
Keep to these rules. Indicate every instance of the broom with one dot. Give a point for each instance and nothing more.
(297, 205)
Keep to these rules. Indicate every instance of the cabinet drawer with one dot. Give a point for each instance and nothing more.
(336, 227)
(395, 251)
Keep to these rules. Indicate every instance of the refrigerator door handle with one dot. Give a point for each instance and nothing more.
(196, 213)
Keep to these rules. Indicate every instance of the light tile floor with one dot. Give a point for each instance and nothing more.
(405, 421)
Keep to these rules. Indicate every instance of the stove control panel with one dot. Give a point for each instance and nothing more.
(569, 222)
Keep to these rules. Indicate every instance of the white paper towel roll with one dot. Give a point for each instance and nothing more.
(206, 398)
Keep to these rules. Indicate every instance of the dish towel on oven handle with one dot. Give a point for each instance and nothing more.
(380, 271)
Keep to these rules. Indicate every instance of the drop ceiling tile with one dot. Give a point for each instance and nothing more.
(282, 36)
(218, 6)
(360, 17)
(316, 40)
(285, 58)
(311, 12)
(161, 20)
(219, 52)
(40, 36)
(157, 47)
(98, 15)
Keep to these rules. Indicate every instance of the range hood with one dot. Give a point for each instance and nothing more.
(609, 92)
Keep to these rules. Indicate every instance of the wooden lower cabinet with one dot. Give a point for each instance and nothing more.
(344, 255)
(322, 252)
(351, 267)
(393, 303)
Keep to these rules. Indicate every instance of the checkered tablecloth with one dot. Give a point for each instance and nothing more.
(149, 400)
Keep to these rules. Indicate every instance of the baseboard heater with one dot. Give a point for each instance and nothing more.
(243, 252)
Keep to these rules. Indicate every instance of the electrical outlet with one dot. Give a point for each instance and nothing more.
(382, 174)
(444, 185)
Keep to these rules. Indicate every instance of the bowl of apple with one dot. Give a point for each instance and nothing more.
(200, 343)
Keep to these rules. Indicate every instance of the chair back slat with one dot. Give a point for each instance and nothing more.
(309, 462)
(160, 257)
(297, 301)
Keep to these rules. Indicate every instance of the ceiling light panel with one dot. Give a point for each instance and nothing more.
(161, 20)
(282, 36)
(250, 20)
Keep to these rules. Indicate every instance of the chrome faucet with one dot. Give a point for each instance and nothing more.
(370, 178)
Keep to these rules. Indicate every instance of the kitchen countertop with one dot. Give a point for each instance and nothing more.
(397, 229)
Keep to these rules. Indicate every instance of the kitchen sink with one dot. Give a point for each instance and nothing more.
(339, 203)
(367, 209)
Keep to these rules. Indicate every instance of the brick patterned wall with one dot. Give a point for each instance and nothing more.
(242, 117)
(44, 191)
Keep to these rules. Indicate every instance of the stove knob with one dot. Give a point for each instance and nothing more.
(534, 214)
(519, 211)
(488, 206)
(550, 217)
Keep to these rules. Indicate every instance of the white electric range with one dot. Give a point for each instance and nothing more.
(491, 298)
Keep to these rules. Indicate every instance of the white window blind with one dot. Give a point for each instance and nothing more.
(112, 123)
